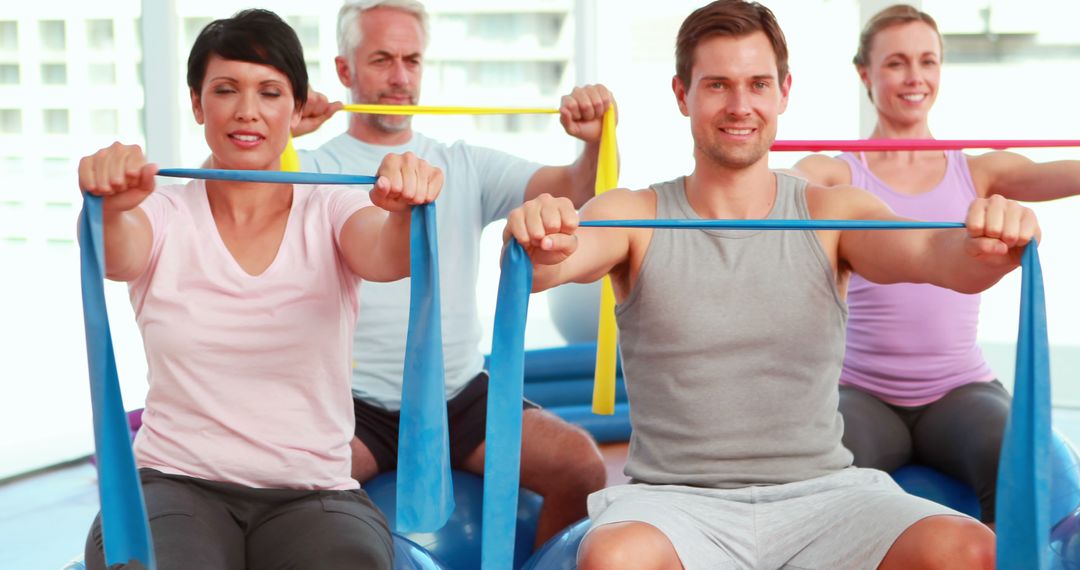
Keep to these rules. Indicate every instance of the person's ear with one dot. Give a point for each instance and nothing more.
(196, 107)
(864, 76)
(785, 89)
(341, 64)
(680, 95)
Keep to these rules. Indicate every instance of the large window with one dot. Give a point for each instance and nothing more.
(9, 35)
(80, 87)
(10, 121)
(9, 74)
(54, 74)
(60, 98)
(53, 34)
(99, 34)
(101, 73)
(56, 121)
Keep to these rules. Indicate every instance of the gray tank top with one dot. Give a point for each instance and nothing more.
(732, 343)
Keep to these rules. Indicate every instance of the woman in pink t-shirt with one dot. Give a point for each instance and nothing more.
(246, 297)
(915, 386)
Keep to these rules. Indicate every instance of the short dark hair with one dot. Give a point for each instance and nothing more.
(732, 18)
(256, 36)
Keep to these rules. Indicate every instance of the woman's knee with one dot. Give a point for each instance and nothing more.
(873, 432)
(345, 551)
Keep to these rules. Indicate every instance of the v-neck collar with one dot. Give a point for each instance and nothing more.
(209, 217)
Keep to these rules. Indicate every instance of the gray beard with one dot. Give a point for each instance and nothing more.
(391, 123)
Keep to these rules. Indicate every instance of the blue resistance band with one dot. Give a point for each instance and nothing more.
(272, 176)
(124, 529)
(771, 224)
(502, 453)
(425, 494)
(123, 512)
(1023, 488)
(1023, 505)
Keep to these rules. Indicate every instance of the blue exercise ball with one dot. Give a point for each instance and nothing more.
(1065, 543)
(936, 486)
(575, 311)
(560, 552)
(411, 556)
(1064, 478)
(457, 544)
(940, 488)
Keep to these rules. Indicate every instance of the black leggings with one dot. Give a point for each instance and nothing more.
(218, 526)
(959, 435)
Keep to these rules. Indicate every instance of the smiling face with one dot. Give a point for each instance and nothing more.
(734, 99)
(903, 72)
(247, 111)
(386, 66)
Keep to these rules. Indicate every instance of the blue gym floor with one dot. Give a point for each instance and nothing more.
(44, 518)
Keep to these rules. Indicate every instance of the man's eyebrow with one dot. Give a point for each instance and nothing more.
(757, 77)
(384, 53)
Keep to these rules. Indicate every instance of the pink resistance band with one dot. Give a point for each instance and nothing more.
(872, 145)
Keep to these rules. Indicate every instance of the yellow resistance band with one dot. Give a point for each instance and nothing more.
(429, 110)
(607, 177)
(290, 160)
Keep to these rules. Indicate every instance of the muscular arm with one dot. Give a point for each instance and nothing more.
(562, 252)
(966, 260)
(575, 181)
(582, 116)
(1019, 178)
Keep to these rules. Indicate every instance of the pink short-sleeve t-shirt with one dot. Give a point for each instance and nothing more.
(249, 376)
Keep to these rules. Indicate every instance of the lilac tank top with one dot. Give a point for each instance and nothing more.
(910, 344)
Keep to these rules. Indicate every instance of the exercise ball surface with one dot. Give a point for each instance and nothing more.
(457, 544)
(560, 553)
(575, 311)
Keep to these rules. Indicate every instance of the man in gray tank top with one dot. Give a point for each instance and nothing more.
(732, 341)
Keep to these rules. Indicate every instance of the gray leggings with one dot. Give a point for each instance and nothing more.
(959, 435)
(218, 526)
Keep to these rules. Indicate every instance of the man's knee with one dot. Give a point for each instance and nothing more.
(627, 545)
(970, 542)
(364, 466)
(565, 458)
(943, 542)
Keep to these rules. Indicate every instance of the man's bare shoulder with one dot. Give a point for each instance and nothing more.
(843, 202)
(621, 203)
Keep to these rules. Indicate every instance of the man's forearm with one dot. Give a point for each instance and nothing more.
(954, 266)
(575, 181)
(583, 174)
